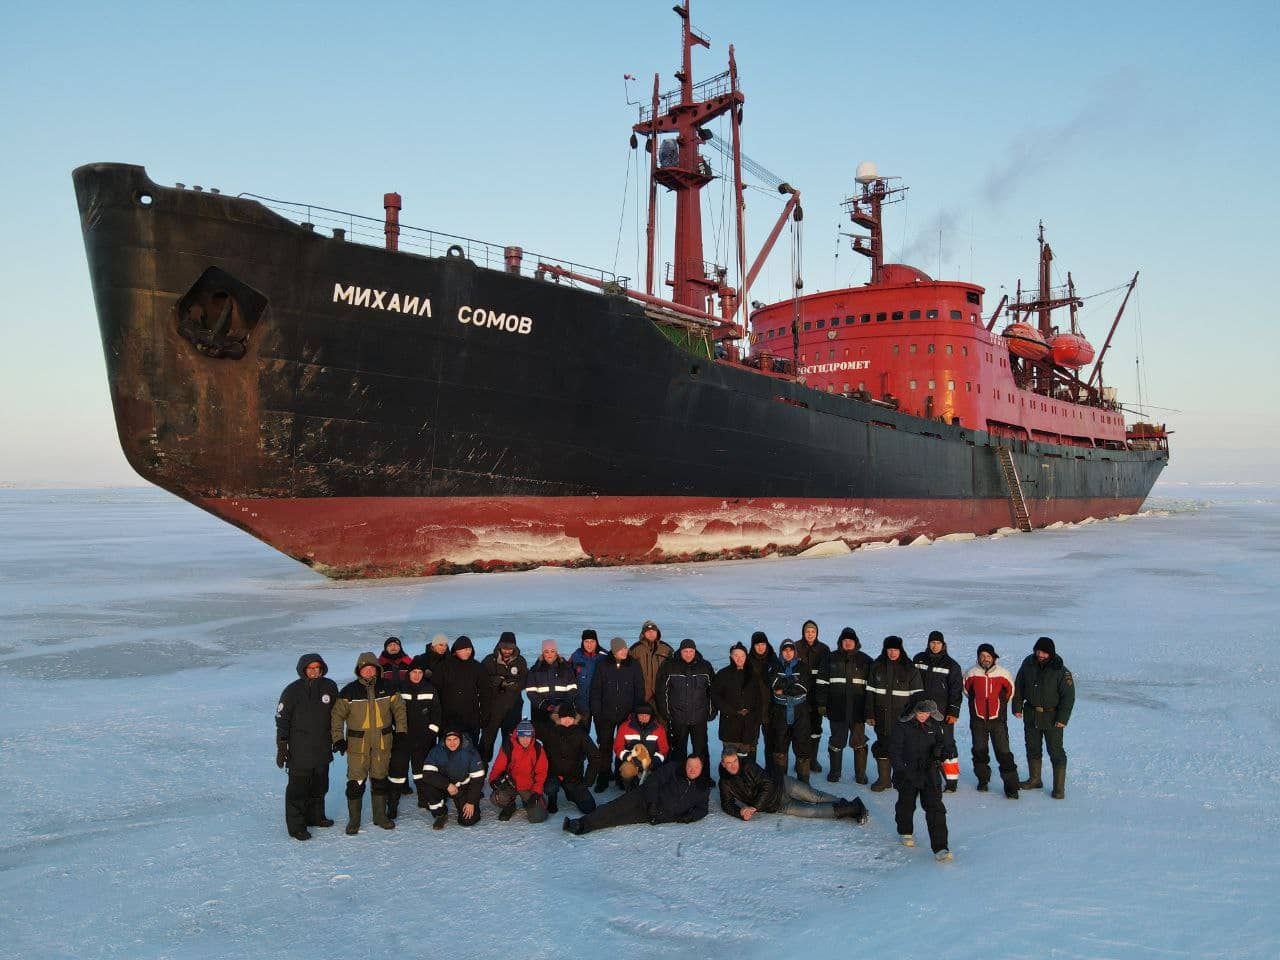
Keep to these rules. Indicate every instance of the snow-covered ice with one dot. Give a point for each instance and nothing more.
(144, 645)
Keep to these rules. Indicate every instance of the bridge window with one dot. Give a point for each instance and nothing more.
(972, 296)
(821, 324)
(862, 385)
(897, 314)
(915, 315)
(968, 386)
(844, 388)
(931, 315)
(957, 314)
(833, 354)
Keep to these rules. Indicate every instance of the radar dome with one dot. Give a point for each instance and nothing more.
(866, 172)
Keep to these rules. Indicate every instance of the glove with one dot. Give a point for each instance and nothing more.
(282, 753)
(743, 712)
(952, 719)
(340, 746)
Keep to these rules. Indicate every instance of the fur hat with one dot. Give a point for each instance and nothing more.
(924, 706)
(645, 708)
(891, 643)
(507, 641)
(589, 634)
(759, 637)
(1046, 644)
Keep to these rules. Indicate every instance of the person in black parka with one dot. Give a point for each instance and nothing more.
(684, 702)
(893, 685)
(677, 793)
(505, 673)
(738, 694)
(791, 686)
(616, 690)
(763, 661)
(943, 683)
(916, 748)
(568, 747)
(459, 678)
(409, 748)
(845, 696)
(813, 653)
(1045, 691)
(302, 744)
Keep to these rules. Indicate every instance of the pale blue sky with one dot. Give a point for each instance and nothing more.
(1144, 134)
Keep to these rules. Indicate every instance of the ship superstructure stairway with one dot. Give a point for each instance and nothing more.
(1014, 488)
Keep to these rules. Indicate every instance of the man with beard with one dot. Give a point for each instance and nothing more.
(616, 690)
(370, 711)
(990, 688)
(1045, 691)
(943, 682)
(505, 672)
(893, 685)
(650, 652)
(846, 694)
(303, 716)
(738, 694)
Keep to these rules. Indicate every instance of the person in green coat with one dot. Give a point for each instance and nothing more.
(1045, 692)
(367, 712)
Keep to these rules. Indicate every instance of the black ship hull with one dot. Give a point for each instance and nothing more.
(371, 412)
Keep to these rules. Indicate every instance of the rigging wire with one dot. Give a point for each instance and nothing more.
(622, 214)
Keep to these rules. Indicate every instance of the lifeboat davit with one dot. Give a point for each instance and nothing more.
(1071, 350)
(1026, 341)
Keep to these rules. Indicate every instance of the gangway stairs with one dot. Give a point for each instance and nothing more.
(1021, 518)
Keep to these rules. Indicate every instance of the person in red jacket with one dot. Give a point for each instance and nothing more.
(640, 746)
(520, 774)
(990, 686)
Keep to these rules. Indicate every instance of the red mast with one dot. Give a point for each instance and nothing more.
(681, 169)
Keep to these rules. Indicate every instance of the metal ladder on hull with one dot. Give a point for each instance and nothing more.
(1014, 487)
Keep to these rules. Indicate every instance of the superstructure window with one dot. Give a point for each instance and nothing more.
(770, 336)
(851, 319)
(915, 315)
(782, 331)
(832, 355)
(949, 348)
(912, 348)
(951, 384)
(807, 325)
(972, 296)
(895, 349)
(932, 384)
(821, 324)
(866, 318)
(964, 351)
(862, 385)
(931, 315)
(897, 314)
(968, 386)
(844, 388)
(957, 314)
(881, 317)
(930, 349)
(911, 384)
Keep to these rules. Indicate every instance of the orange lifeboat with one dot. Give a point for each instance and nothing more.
(1071, 350)
(1026, 341)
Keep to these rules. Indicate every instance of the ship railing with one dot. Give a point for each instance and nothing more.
(370, 231)
(707, 89)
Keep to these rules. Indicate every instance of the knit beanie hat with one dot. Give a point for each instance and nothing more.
(787, 643)
(463, 643)
(937, 635)
(524, 729)
(687, 644)
(1046, 644)
(988, 648)
(759, 637)
(848, 633)
(616, 644)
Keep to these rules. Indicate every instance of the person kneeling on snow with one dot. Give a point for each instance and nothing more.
(568, 746)
(641, 746)
(746, 789)
(454, 771)
(520, 773)
(916, 748)
(677, 793)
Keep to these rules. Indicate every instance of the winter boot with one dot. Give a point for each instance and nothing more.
(837, 762)
(907, 839)
(982, 786)
(883, 769)
(802, 770)
(353, 815)
(602, 782)
(1033, 781)
(779, 761)
(574, 826)
(553, 803)
(860, 765)
(854, 810)
(506, 813)
(1059, 782)
(814, 765)
(393, 805)
(953, 786)
(943, 856)
(379, 803)
(300, 834)
(1011, 791)
(316, 815)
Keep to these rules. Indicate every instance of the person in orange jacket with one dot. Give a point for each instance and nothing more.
(520, 774)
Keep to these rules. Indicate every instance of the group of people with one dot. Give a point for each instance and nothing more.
(441, 723)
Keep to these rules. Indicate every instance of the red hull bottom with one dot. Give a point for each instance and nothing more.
(424, 536)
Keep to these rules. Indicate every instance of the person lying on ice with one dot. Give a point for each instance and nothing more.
(745, 790)
(677, 793)
(520, 773)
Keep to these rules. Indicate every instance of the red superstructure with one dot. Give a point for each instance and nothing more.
(923, 346)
